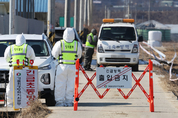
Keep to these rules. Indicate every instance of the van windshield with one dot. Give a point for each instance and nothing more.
(118, 33)
(39, 47)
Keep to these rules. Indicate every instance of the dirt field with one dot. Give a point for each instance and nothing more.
(169, 49)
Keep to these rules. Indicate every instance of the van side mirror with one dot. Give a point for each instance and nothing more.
(140, 38)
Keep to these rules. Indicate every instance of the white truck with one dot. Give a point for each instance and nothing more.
(118, 43)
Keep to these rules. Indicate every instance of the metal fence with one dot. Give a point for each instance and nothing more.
(21, 25)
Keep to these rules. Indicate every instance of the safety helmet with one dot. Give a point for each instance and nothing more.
(93, 31)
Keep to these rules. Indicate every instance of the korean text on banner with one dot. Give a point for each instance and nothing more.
(25, 86)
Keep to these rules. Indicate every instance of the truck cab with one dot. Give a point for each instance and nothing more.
(118, 43)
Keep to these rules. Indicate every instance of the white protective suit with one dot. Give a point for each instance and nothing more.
(65, 76)
(20, 40)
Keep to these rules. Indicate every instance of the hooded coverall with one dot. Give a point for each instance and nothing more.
(20, 40)
(65, 75)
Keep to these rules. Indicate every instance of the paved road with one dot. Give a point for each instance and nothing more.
(113, 105)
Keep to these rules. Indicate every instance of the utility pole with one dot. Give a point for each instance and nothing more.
(11, 16)
(67, 14)
(149, 11)
(90, 9)
(135, 14)
(131, 8)
(108, 12)
(51, 20)
(128, 10)
(81, 16)
(76, 15)
(105, 12)
(85, 12)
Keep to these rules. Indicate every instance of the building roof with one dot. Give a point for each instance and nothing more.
(173, 28)
(152, 24)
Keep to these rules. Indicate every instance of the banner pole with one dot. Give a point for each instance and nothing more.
(151, 86)
(76, 99)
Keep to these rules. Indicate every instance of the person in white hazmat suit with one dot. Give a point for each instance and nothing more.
(67, 51)
(22, 51)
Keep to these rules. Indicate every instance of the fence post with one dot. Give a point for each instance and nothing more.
(151, 86)
(76, 85)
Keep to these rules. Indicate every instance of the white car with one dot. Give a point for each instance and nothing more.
(118, 43)
(44, 60)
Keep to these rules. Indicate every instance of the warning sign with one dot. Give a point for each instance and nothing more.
(25, 86)
(110, 77)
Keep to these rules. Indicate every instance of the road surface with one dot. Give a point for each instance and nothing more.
(113, 105)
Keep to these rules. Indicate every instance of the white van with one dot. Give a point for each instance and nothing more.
(118, 43)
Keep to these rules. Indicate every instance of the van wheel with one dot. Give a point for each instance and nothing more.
(50, 100)
(135, 67)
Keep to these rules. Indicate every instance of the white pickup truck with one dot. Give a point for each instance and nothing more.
(118, 43)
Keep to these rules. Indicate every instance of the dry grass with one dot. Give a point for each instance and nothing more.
(35, 110)
(166, 83)
(169, 49)
(7, 114)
